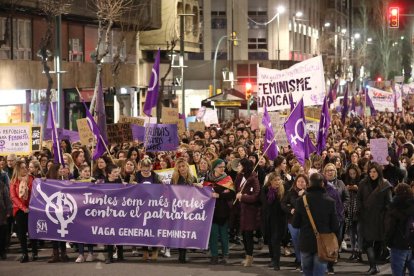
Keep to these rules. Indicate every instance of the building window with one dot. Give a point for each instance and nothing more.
(257, 43)
(22, 37)
(218, 23)
(4, 46)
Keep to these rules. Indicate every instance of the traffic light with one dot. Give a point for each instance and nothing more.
(394, 17)
(379, 79)
(248, 90)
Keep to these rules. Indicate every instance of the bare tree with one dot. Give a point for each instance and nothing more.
(132, 24)
(50, 9)
(108, 12)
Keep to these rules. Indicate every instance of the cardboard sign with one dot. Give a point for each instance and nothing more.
(131, 120)
(85, 133)
(210, 117)
(169, 115)
(166, 175)
(197, 126)
(16, 138)
(161, 137)
(379, 150)
(36, 138)
(119, 133)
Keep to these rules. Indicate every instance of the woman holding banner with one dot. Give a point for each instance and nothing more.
(147, 176)
(182, 176)
(223, 191)
(248, 188)
(20, 191)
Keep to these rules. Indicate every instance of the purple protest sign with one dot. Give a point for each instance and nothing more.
(161, 137)
(72, 136)
(150, 215)
(138, 132)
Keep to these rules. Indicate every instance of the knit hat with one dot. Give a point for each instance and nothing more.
(216, 162)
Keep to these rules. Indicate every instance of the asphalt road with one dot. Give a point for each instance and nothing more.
(198, 265)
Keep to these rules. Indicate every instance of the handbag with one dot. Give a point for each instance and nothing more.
(328, 247)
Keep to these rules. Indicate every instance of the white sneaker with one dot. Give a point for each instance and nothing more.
(134, 253)
(167, 253)
(68, 246)
(14, 235)
(80, 259)
(90, 258)
(343, 245)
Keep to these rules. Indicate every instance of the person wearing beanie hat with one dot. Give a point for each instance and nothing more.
(224, 192)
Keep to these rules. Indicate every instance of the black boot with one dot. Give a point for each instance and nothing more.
(373, 269)
(120, 253)
(214, 260)
(24, 258)
(359, 257)
(353, 256)
(182, 255)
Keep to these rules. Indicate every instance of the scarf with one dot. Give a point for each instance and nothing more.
(223, 180)
(23, 188)
(272, 194)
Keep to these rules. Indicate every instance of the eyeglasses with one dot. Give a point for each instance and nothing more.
(220, 167)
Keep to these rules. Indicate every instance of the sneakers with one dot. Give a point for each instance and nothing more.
(90, 258)
(344, 246)
(286, 252)
(224, 259)
(134, 253)
(80, 259)
(14, 235)
(331, 271)
(68, 246)
(167, 253)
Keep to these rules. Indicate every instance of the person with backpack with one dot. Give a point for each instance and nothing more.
(399, 230)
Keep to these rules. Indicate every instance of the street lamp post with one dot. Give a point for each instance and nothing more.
(280, 10)
(215, 62)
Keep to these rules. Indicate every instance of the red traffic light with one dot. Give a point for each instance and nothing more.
(379, 79)
(394, 17)
(248, 86)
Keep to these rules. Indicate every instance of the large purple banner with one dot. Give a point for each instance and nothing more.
(152, 215)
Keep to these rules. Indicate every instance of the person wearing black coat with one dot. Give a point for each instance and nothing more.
(399, 222)
(6, 208)
(374, 196)
(289, 207)
(274, 219)
(323, 211)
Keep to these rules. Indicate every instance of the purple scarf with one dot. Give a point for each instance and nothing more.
(271, 194)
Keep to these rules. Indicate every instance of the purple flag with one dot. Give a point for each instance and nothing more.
(152, 93)
(324, 123)
(132, 215)
(295, 128)
(57, 151)
(332, 93)
(100, 141)
(369, 103)
(161, 137)
(292, 104)
(100, 111)
(353, 104)
(346, 106)
(269, 141)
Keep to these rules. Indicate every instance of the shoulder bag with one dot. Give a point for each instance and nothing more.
(328, 247)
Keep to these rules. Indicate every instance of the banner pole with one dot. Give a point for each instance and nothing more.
(257, 164)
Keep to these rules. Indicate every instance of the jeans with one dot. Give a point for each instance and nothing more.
(248, 242)
(219, 231)
(312, 265)
(81, 247)
(400, 260)
(294, 232)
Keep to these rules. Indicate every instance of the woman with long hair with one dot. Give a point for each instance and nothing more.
(248, 193)
(35, 169)
(128, 171)
(223, 191)
(352, 178)
(274, 218)
(20, 192)
(289, 206)
(182, 176)
(374, 197)
(99, 168)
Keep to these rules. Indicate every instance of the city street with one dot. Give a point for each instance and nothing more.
(198, 265)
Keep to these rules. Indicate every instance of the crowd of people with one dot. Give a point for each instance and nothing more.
(256, 198)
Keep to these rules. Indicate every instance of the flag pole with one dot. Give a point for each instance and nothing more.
(257, 164)
(100, 137)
